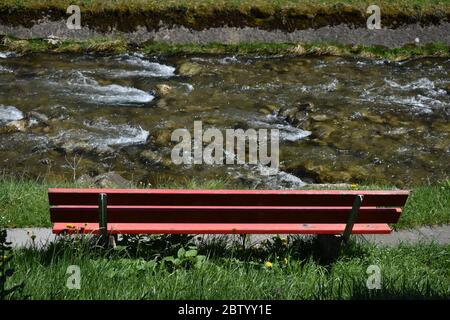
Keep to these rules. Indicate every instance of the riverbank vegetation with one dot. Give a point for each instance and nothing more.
(256, 7)
(129, 5)
(288, 15)
(105, 46)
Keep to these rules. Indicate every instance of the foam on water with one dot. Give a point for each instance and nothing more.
(287, 132)
(419, 103)
(126, 135)
(151, 69)
(5, 70)
(422, 83)
(112, 93)
(327, 87)
(102, 133)
(10, 113)
(272, 177)
(7, 54)
(394, 94)
(189, 86)
(290, 133)
(118, 94)
(228, 60)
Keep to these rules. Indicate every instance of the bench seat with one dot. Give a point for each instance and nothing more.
(221, 228)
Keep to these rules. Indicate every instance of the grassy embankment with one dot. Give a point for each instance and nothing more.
(252, 13)
(265, 6)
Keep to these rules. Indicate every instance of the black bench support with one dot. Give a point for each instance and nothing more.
(352, 218)
(103, 218)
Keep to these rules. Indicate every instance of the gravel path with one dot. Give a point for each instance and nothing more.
(21, 237)
(342, 33)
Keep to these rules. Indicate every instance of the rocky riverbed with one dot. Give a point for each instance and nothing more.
(347, 120)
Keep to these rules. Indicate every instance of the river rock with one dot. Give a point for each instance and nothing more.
(86, 180)
(445, 87)
(111, 180)
(296, 115)
(373, 117)
(318, 172)
(163, 90)
(268, 108)
(320, 117)
(322, 131)
(85, 148)
(162, 103)
(151, 157)
(189, 69)
(46, 130)
(38, 116)
(161, 138)
(330, 186)
(14, 126)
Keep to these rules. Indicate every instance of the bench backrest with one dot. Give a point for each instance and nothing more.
(223, 206)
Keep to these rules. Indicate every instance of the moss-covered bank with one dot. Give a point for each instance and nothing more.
(275, 49)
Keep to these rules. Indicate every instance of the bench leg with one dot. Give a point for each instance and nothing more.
(112, 241)
(352, 218)
(103, 219)
(329, 247)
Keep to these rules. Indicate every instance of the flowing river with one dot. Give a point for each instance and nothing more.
(340, 119)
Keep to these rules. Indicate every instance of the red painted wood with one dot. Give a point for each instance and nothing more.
(203, 214)
(220, 228)
(169, 197)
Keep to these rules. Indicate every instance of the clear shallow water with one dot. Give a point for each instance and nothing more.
(340, 120)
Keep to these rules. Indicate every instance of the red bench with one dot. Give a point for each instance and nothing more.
(157, 211)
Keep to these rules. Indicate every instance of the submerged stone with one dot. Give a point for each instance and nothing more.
(189, 69)
(163, 90)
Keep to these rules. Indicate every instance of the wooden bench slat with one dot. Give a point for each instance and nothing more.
(170, 197)
(222, 214)
(221, 228)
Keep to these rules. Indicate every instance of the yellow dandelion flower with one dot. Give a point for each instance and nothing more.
(285, 261)
(268, 264)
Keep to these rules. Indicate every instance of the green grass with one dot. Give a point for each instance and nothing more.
(407, 272)
(24, 203)
(307, 6)
(101, 45)
(148, 268)
(314, 49)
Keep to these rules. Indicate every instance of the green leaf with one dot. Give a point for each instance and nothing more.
(152, 264)
(169, 259)
(181, 253)
(201, 258)
(191, 253)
